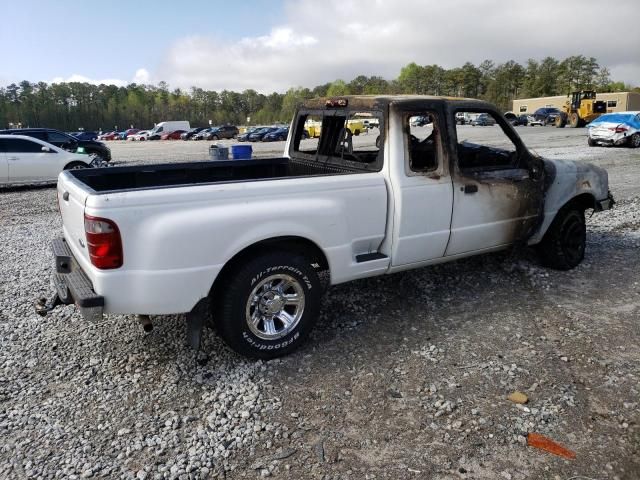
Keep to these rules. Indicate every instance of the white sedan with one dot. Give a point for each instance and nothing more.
(143, 135)
(613, 129)
(30, 160)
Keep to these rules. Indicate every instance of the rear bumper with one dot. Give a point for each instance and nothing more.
(615, 140)
(72, 284)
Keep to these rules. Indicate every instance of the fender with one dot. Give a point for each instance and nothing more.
(566, 181)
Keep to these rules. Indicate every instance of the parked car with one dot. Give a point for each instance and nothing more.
(168, 127)
(224, 131)
(103, 136)
(202, 134)
(172, 135)
(614, 129)
(546, 115)
(260, 133)
(85, 135)
(110, 136)
(25, 159)
(533, 121)
(324, 211)
(64, 141)
(516, 120)
(244, 137)
(483, 120)
(462, 118)
(190, 133)
(277, 135)
(142, 135)
(131, 131)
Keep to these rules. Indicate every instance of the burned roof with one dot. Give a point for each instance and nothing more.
(381, 102)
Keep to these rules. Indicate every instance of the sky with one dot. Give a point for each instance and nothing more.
(277, 44)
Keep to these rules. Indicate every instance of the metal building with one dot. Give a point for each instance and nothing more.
(616, 102)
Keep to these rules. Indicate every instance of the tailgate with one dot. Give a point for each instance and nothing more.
(72, 196)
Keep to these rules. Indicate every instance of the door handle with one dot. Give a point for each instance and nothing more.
(469, 189)
(13, 159)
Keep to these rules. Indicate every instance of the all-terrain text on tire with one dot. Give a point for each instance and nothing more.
(267, 306)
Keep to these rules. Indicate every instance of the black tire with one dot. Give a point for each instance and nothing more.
(251, 290)
(574, 120)
(75, 166)
(561, 120)
(634, 141)
(591, 142)
(98, 155)
(563, 246)
(214, 137)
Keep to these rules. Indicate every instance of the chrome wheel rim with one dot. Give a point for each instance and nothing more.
(275, 307)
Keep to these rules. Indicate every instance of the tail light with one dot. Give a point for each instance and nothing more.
(103, 242)
(619, 129)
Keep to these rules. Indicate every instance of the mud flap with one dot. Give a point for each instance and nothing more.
(196, 320)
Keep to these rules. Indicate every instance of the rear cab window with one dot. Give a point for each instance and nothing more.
(340, 136)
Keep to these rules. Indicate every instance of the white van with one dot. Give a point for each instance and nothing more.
(168, 127)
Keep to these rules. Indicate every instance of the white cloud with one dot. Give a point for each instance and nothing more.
(318, 42)
(141, 76)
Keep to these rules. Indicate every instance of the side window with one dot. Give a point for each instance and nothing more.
(523, 108)
(484, 145)
(38, 135)
(19, 145)
(423, 140)
(55, 137)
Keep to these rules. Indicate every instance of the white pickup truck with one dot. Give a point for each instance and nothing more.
(242, 243)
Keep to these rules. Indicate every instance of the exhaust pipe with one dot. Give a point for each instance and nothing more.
(145, 321)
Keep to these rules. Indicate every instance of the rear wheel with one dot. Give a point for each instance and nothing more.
(214, 137)
(267, 306)
(564, 243)
(634, 140)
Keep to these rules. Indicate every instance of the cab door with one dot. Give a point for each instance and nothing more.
(422, 189)
(497, 188)
(28, 162)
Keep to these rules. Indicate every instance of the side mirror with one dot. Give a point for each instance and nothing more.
(46, 149)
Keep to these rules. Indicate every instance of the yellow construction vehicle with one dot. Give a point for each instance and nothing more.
(580, 109)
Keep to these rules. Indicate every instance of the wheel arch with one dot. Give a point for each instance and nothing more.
(583, 201)
(70, 164)
(291, 243)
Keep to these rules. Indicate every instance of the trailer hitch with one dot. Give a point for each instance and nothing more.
(44, 306)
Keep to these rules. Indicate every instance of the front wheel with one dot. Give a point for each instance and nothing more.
(267, 307)
(564, 243)
(591, 142)
(75, 166)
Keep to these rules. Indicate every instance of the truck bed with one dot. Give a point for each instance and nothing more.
(104, 180)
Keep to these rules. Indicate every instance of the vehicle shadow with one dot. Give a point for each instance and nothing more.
(23, 188)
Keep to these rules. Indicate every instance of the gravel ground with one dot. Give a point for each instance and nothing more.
(406, 376)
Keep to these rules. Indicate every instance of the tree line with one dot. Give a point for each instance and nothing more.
(74, 105)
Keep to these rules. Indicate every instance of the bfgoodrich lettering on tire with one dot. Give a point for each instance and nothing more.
(268, 305)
